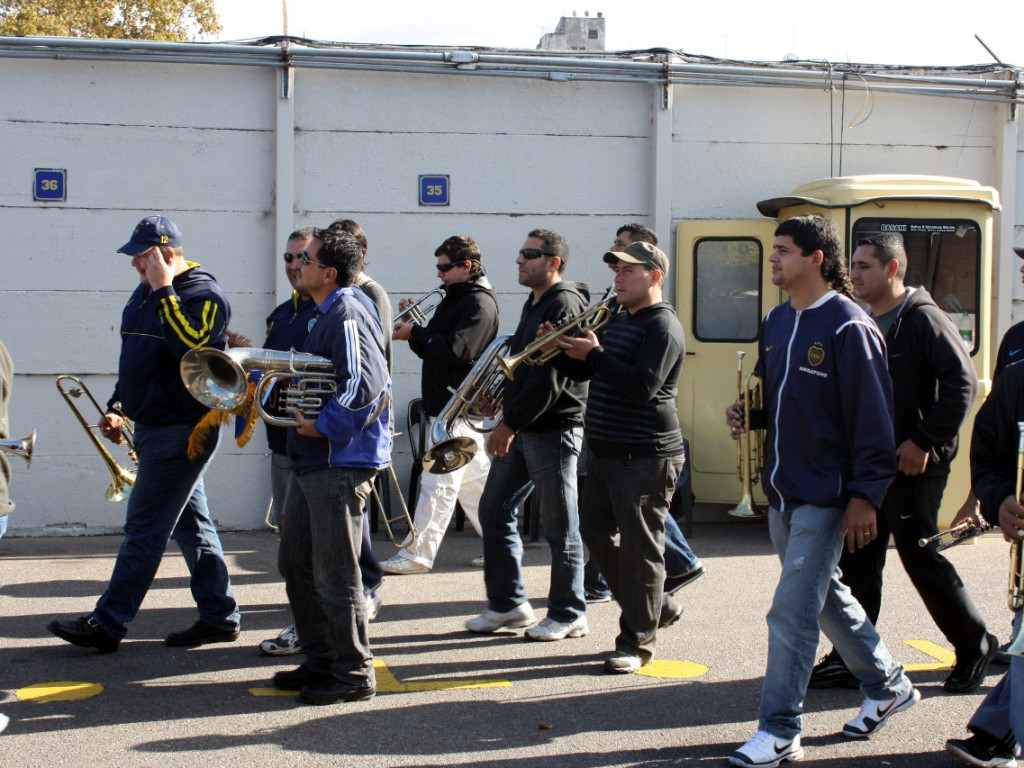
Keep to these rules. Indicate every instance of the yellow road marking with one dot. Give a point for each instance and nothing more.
(946, 659)
(672, 670)
(63, 690)
(388, 683)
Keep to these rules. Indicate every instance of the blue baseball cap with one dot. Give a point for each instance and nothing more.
(152, 231)
(1019, 252)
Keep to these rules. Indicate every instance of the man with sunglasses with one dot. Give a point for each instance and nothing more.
(535, 448)
(461, 328)
(176, 307)
(336, 456)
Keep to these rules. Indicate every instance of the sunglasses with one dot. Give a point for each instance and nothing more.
(449, 265)
(306, 260)
(533, 253)
(290, 257)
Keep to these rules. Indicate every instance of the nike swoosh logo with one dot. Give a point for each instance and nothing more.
(1013, 352)
(780, 749)
(769, 349)
(893, 357)
(905, 517)
(884, 711)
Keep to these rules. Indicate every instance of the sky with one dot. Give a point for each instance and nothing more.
(870, 31)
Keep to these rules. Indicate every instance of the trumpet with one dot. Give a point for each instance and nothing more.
(483, 390)
(750, 447)
(23, 447)
(965, 531)
(1015, 589)
(121, 480)
(418, 312)
(593, 318)
(220, 380)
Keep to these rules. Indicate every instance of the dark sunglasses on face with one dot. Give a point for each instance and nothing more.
(449, 265)
(290, 257)
(533, 253)
(306, 260)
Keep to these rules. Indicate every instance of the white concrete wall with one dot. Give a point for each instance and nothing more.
(197, 143)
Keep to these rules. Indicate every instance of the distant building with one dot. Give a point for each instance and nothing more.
(575, 34)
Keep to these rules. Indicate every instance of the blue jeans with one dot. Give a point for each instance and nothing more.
(545, 463)
(625, 503)
(168, 502)
(811, 598)
(319, 560)
(1001, 714)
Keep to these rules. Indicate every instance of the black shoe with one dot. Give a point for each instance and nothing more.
(831, 672)
(674, 583)
(331, 690)
(297, 679)
(85, 632)
(981, 751)
(201, 633)
(968, 673)
(671, 611)
(1001, 657)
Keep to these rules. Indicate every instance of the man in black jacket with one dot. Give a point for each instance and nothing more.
(535, 447)
(461, 328)
(934, 386)
(176, 307)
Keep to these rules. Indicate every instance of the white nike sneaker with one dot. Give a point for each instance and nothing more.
(767, 751)
(874, 714)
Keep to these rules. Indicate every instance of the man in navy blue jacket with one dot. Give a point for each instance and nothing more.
(335, 457)
(829, 461)
(176, 307)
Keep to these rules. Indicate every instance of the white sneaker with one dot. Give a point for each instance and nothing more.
(766, 751)
(621, 663)
(284, 644)
(549, 629)
(477, 562)
(873, 714)
(489, 621)
(372, 606)
(400, 565)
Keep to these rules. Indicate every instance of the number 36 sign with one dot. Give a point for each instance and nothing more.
(50, 184)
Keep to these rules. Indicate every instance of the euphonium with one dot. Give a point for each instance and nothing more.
(122, 480)
(220, 380)
(418, 312)
(534, 354)
(23, 447)
(750, 450)
(482, 390)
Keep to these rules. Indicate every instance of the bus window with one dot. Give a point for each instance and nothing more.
(943, 256)
(727, 289)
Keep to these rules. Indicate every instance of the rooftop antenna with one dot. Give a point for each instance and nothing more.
(990, 53)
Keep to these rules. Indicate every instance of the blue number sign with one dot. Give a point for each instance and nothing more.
(434, 190)
(50, 184)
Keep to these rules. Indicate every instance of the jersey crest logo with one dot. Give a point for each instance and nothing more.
(816, 354)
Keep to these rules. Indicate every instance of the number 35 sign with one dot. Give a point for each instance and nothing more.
(434, 190)
(50, 184)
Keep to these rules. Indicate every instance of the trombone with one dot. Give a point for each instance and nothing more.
(23, 447)
(749, 447)
(418, 311)
(534, 354)
(122, 480)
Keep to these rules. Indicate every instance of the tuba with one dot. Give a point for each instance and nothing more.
(482, 390)
(593, 318)
(288, 381)
(418, 312)
(23, 447)
(122, 480)
(749, 446)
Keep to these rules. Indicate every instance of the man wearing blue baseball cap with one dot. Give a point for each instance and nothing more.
(176, 307)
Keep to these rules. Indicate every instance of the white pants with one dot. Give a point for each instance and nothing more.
(438, 494)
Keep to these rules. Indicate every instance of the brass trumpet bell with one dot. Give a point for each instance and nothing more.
(22, 448)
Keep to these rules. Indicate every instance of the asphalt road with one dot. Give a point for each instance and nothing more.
(548, 704)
